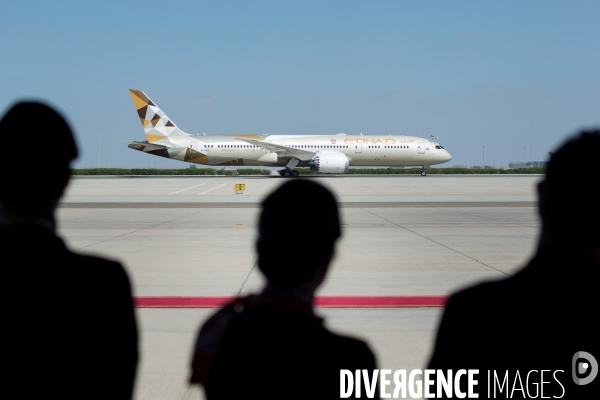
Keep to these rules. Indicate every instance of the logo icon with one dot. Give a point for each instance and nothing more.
(332, 141)
(584, 364)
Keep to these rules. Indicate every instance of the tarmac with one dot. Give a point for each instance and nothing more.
(402, 236)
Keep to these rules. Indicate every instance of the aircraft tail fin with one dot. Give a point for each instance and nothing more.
(156, 124)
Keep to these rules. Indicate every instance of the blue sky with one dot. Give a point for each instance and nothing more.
(475, 73)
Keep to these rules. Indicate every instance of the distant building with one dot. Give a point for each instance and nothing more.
(521, 164)
(193, 166)
(537, 164)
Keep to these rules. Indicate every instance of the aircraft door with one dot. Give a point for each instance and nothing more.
(194, 145)
(421, 147)
(358, 147)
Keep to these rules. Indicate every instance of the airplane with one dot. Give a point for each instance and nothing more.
(332, 154)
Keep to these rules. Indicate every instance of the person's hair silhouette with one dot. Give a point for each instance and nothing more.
(538, 319)
(48, 166)
(272, 345)
(69, 326)
(298, 251)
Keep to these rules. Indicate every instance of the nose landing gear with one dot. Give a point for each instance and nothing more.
(423, 172)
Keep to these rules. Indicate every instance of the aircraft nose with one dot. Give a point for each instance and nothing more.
(446, 156)
(443, 156)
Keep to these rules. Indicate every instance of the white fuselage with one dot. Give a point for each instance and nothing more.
(324, 153)
(367, 150)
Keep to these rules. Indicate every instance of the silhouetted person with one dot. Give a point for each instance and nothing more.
(68, 324)
(272, 345)
(540, 317)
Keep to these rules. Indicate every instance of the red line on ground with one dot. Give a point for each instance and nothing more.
(321, 302)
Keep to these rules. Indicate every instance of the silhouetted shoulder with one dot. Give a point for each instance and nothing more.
(536, 319)
(100, 271)
(357, 351)
(73, 311)
(468, 313)
(266, 348)
(486, 294)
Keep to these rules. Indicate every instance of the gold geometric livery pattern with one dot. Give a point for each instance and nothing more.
(164, 137)
(156, 124)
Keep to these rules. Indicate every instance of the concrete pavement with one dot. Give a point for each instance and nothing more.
(471, 229)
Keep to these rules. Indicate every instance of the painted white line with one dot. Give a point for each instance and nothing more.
(183, 190)
(210, 190)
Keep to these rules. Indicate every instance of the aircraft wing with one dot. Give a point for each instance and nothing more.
(300, 154)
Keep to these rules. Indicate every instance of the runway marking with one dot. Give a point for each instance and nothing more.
(246, 280)
(210, 190)
(320, 302)
(438, 243)
(135, 231)
(183, 190)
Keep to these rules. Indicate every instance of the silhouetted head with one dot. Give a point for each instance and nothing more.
(298, 228)
(35, 161)
(569, 195)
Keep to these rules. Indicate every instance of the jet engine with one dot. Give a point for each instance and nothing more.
(330, 163)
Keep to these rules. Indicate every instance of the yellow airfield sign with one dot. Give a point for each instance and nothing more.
(239, 188)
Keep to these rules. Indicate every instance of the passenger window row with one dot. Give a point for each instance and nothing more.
(236, 145)
(319, 146)
(296, 146)
(389, 147)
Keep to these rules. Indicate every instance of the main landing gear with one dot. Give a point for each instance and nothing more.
(286, 173)
(289, 169)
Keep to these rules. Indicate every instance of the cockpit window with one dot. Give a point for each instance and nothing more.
(438, 147)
